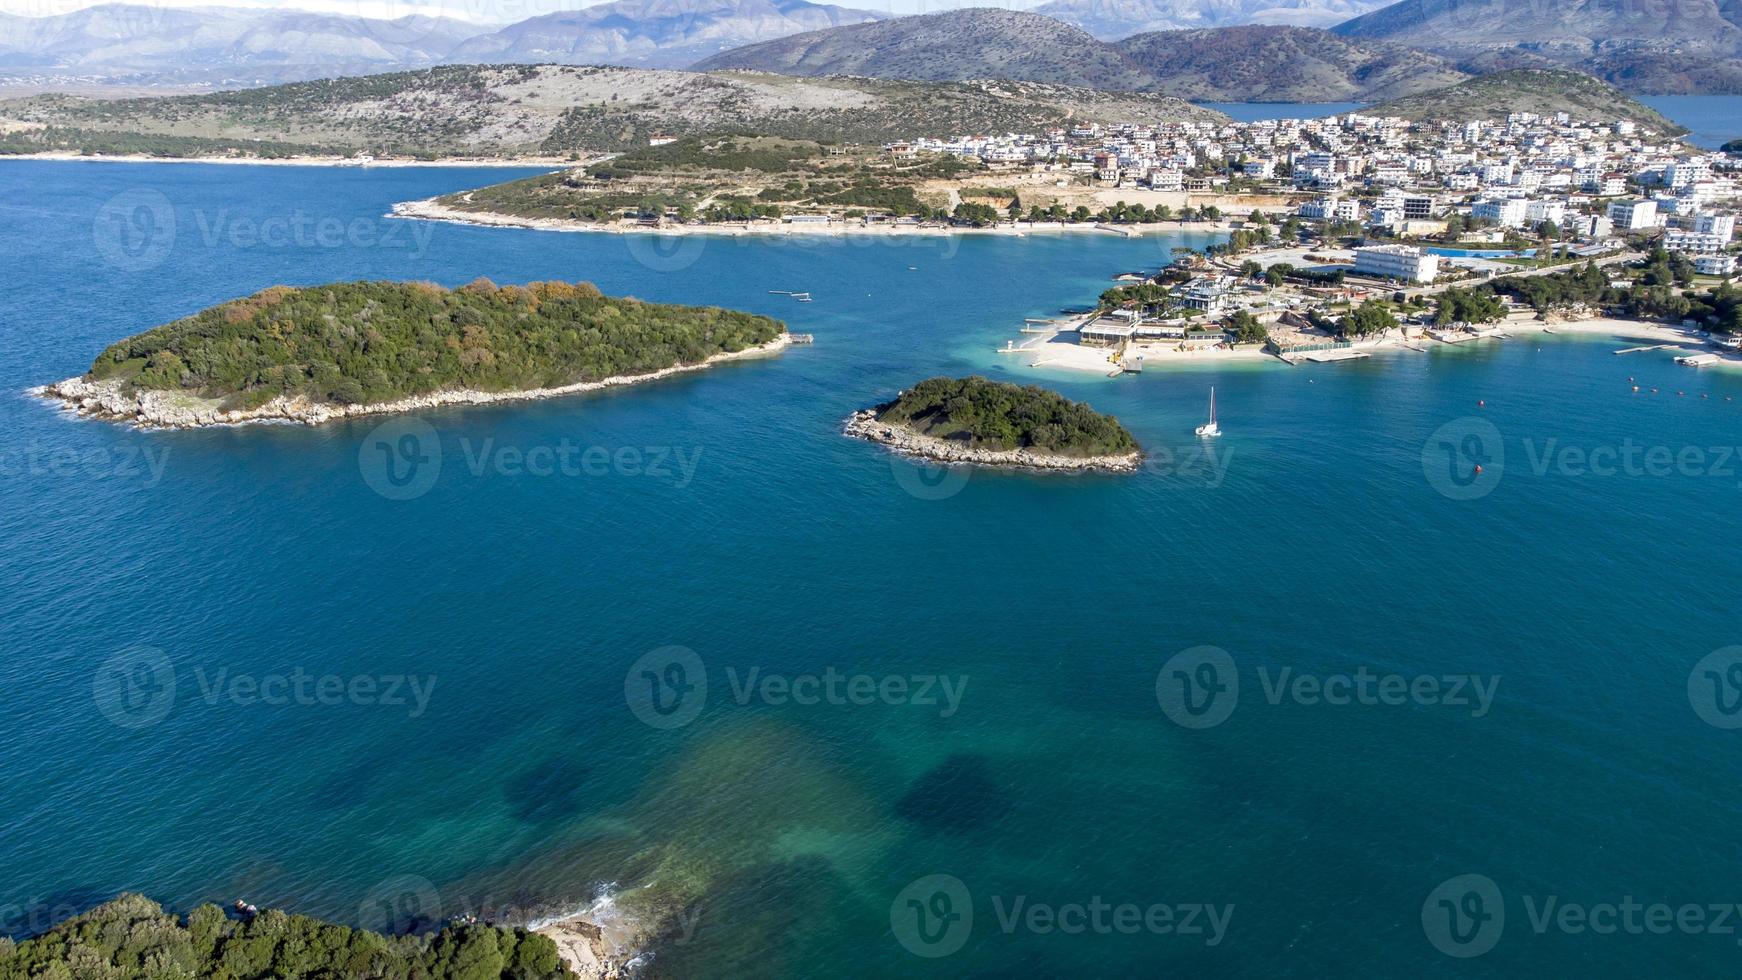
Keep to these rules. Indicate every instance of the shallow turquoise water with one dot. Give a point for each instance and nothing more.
(1317, 541)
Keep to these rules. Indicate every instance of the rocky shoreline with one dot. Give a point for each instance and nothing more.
(864, 425)
(110, 400)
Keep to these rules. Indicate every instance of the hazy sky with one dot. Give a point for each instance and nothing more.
(488, 11)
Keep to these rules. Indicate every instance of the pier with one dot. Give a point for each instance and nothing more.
(1641, 350)
(1697, 360)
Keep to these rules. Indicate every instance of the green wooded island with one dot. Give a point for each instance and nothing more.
(133, 938)
(317, 353)
(977, 420)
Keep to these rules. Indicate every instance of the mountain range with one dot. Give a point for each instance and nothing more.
(651, 33)
(1652, 46)
(226, 46)
(1231, 64)
(1216, 50)
(1115, 19)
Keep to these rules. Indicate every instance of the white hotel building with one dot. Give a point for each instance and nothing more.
(1405, 262)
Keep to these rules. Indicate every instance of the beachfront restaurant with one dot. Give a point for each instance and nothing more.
(1109, 329)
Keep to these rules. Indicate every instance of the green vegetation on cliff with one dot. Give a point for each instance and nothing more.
(994, 415)
(1539, 90)
(133, 938)
(359, 342)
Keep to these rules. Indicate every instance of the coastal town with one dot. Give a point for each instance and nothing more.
(1330, 216)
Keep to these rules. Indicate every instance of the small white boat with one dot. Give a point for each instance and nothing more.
(802, 297)
(1210, 429)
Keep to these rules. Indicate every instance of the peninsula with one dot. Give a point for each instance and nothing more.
(133, 937)
(975, 420)
(320, 353)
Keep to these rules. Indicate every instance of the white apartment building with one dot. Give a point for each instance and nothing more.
(1693, 243)
(1715, 265)
(1722, 225)
(1506, 212)
(1404, 262)
(1331, 209)
(1633, 215)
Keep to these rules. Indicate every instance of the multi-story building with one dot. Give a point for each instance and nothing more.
(1405, 262)
(1722, 225)
(1715, 265)
(1507, 212)
(1633, 215)
(1693, 242)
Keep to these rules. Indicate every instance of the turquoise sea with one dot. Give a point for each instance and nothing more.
(388, 676)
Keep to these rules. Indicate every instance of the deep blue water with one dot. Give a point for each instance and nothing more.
(1713, 119)
(1327, 539)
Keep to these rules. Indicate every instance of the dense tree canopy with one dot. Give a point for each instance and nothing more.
(133, 938)
(994, 415)
(375, 341)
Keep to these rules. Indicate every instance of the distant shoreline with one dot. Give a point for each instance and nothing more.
(107, 401)
(429, 209)
(294, 161)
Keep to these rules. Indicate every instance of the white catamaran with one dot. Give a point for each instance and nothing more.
(1211, 429)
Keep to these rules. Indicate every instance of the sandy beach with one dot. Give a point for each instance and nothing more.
(1062, 351)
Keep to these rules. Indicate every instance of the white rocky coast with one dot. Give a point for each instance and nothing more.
(864, 425)
(113, 400)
